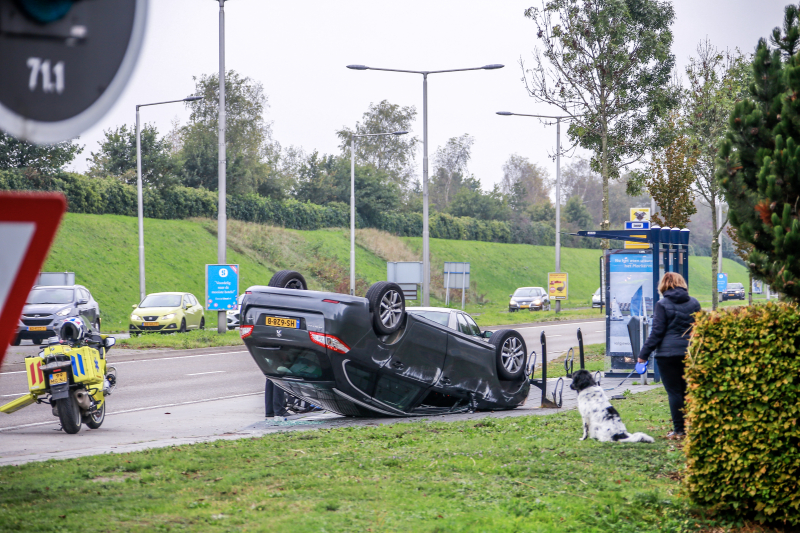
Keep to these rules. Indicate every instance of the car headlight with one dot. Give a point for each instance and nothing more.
(135, 317)
(64, 312)
(537, 302)
(168, 317)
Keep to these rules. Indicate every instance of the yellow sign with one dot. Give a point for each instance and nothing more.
(639, 214)
(558, 285)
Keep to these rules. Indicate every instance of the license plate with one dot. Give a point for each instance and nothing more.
(37, 328)
(58, 378)
(282, 322)
(149, 323)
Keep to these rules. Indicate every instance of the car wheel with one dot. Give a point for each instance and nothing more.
(388, 307)
(203, 322)
(183, 326)
(16, 341)
(510, 352)
(69, 413)
(95, 420)
(288, 279)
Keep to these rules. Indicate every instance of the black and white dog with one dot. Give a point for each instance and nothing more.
(600, 420)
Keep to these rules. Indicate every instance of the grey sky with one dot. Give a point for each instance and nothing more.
(299, 50)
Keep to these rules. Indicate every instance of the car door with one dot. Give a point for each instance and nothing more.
(85, 310)
(421, 352)
(470, 360)
(190, 310)
(198, 310)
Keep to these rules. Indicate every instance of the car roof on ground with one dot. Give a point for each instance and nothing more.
(442, 309)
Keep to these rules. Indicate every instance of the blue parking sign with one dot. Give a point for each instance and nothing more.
(722, 282)
(222, 287)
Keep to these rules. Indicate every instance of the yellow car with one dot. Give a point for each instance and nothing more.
(167, 312)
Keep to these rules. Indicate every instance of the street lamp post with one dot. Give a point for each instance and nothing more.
(139, 187)
(558, 183)
(222, 216)
(426, 263)
(353, 202)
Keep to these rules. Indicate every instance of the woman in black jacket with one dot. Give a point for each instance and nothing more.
(673, 320)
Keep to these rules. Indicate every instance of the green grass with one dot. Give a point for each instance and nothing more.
(182, 341)
(103, 252)
(515, 474)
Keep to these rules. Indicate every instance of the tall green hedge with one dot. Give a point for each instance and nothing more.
(109, 196)
(743, 408)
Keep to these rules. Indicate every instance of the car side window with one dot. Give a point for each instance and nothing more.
(191, 299)
(462, 325)
(473, 326)
(84, 294)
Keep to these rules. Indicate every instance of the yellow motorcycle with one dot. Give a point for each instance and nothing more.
(71, 375)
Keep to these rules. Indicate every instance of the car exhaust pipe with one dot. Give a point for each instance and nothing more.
(84, 399)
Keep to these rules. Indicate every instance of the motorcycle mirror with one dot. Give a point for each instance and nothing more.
(109, 342)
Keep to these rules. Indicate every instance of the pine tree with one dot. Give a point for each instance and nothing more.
(760, 161)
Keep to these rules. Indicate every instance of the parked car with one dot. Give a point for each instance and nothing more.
(371, 357)
(531, 298)
(598, 298)
(167, 312)
(49, 305)
(735, 291)
(233, 314)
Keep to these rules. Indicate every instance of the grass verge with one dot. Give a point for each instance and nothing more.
(182, 341)
(515, 474)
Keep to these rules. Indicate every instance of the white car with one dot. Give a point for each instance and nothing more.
(233, 314)
(531, 298)
(597, 298)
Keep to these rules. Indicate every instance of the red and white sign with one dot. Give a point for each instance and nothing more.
(28, 224)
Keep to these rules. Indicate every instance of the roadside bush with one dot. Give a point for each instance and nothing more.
(743, 407)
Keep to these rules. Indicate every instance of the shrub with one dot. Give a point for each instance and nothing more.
(743, 407)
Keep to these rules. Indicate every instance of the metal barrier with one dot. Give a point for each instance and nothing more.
(569, 360)
(558, 390)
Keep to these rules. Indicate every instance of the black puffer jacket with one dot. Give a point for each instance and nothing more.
(672, 325)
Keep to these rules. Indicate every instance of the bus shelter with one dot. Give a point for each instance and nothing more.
(630, 286)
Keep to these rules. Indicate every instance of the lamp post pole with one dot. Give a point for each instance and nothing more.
(140, 206)
(558, 183)
(426, 258)
(353, 202)
(222, 230)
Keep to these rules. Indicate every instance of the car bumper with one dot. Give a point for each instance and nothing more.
(168, 325)
(51, 329)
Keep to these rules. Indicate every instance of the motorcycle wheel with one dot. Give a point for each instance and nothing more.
(69, 413)
(95, 420)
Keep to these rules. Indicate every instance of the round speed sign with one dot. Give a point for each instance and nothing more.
(64, 63)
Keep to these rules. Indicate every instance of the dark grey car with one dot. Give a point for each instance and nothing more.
(47, 308)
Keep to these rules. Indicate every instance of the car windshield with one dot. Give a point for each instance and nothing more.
(735, 286)
(50, 296)
(442, 317)
(597, 292)
(524, 293)
(161, 300)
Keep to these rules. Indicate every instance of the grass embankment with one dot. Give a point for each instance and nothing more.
(514, 474)
(103, 252)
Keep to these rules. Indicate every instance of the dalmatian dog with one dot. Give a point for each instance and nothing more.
(600, 420)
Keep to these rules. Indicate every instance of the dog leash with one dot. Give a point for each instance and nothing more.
(640, 368)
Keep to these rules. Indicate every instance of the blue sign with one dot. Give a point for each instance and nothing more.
(637, 225)
(632, 262)
(722, 282)
(222, 287)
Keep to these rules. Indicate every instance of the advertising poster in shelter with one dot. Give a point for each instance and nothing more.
(630, 308)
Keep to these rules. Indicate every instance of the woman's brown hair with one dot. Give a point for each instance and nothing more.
(670, 281)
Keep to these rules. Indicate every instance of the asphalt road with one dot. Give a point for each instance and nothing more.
(182, 394)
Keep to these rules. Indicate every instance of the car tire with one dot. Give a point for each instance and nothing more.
(388, 307)
(510, 354)
(288, 279)
(95, 420)
(16, 341)
(203, 322)
(69, 413)
(183, 326)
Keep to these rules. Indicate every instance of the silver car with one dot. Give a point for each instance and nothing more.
(48, 306)
(597, 298)
(233, 314)
(530, 298)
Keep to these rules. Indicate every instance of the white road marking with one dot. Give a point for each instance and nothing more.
(7, 395)
(204, 373)
(149, 360)
(143, 409)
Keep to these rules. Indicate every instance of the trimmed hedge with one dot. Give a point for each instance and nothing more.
(743, 408)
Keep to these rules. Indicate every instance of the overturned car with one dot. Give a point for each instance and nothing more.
(370, 357)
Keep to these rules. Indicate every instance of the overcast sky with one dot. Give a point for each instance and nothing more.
(298, 51)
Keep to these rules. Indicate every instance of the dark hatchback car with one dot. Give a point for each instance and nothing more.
(47, 307)
(368, 357)
(734, 291)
